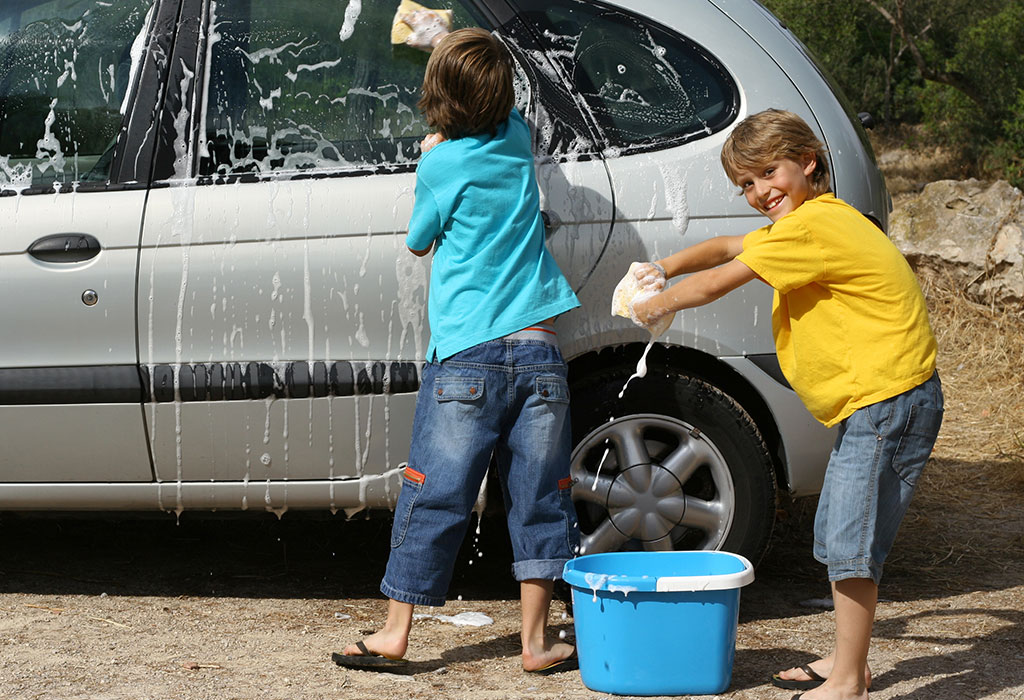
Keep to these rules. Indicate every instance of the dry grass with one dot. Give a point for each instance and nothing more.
(965, 529)
(910, 158)
(981, 358)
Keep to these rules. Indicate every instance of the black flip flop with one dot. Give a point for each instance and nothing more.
(788, 684)
(368, 660)
(569, 663)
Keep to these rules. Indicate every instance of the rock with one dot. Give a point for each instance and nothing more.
(971, 229)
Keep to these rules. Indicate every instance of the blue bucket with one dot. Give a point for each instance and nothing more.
(657, 623)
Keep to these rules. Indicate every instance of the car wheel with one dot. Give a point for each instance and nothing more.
(674, 464)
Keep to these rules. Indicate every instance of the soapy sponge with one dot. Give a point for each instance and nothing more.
(628, 289)
(400, 31)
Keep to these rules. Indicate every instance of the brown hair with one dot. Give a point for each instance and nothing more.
(772, 135)
(467, 87)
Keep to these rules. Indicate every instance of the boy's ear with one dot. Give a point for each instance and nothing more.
(809, 161)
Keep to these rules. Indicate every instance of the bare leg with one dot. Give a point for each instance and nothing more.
(538, 650)
(855, 600)
(393, 640)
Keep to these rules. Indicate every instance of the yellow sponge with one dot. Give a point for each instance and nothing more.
(400, 30)
(625, 291)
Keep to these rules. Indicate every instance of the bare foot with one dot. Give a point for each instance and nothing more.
(389, 644)
(541, 656)
(828, 691)
(823, 667)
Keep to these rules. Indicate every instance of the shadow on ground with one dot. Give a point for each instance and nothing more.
(252, 556)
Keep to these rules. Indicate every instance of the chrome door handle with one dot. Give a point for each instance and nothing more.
(551, 222)
(65, 248)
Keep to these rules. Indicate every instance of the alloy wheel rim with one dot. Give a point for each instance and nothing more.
(639, 472)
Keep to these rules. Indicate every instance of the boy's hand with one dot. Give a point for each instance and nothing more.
(428, 28)
(645, 311)
(429, 141)
(650, 275)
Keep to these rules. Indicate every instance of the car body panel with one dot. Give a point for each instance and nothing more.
(62, 347)
(257, 336)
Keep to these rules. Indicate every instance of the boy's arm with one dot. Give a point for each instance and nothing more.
(702, 256)
(698, 289)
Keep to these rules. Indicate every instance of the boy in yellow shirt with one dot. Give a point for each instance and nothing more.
(853, 340)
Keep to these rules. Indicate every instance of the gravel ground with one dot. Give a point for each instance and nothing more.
(222, 608)
(211, 609)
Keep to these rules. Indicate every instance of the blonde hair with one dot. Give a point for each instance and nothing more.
(774, 134)
(467, 87)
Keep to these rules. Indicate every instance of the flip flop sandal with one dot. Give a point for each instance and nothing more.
(789, 684)
(569, 663)
(368, 660)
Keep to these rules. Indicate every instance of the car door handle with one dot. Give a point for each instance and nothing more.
(65, 248)
(551, 222)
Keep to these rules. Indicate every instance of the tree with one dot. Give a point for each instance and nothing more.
(965, 75)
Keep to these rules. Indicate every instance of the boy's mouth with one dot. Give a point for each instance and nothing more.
(773, 202)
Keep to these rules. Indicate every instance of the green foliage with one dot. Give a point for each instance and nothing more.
(973, 51)
(1009, 153)
(837, 33)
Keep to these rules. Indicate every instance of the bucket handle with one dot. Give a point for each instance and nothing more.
(714, 582)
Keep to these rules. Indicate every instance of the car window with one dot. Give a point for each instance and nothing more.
(312, 85)
(644, 84)
(65, 69)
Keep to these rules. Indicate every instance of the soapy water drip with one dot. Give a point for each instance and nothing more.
(641, 368)
(595, 582)
(597, 475)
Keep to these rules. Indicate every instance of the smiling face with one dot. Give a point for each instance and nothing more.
(779, 187)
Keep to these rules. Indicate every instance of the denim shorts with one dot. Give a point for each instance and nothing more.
(504, 397)
(872, 472)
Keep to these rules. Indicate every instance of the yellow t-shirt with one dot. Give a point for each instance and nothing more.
(850, 323)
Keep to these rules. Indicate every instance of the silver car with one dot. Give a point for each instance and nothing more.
(209, 301)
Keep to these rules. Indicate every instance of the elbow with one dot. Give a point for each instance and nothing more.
(420, 253)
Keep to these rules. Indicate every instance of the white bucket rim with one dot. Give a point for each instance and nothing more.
(665, 584)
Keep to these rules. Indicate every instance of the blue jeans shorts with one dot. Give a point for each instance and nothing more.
(506, 397)
(875, 464)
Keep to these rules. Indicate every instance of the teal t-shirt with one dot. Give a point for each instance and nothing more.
(492, 274)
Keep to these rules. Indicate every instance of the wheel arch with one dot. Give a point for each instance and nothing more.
(703, 366)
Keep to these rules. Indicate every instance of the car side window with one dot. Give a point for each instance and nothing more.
(300, 87)
(65, 69)
(645, 85)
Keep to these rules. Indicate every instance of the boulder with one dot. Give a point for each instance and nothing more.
(971, 229)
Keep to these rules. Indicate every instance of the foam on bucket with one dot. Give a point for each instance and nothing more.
(657, 623)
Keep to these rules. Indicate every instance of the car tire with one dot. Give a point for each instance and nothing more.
(673, 464)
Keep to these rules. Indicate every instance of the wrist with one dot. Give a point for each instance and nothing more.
(437, 38)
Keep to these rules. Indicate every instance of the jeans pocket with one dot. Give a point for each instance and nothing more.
(880, 414)
(412, 485)
(916, 442)
(456, 388)
(553, 388)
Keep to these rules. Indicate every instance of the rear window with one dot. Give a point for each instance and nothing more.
(645, 85)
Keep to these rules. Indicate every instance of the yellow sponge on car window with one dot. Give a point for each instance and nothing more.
(400, 30)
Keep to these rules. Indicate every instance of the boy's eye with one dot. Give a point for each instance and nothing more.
(769, 172)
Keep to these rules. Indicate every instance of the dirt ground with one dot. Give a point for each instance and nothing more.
(217, 608)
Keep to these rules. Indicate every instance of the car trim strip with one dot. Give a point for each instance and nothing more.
(70, 385)
(216, 381)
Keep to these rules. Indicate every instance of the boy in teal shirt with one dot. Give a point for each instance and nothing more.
(495, 380)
